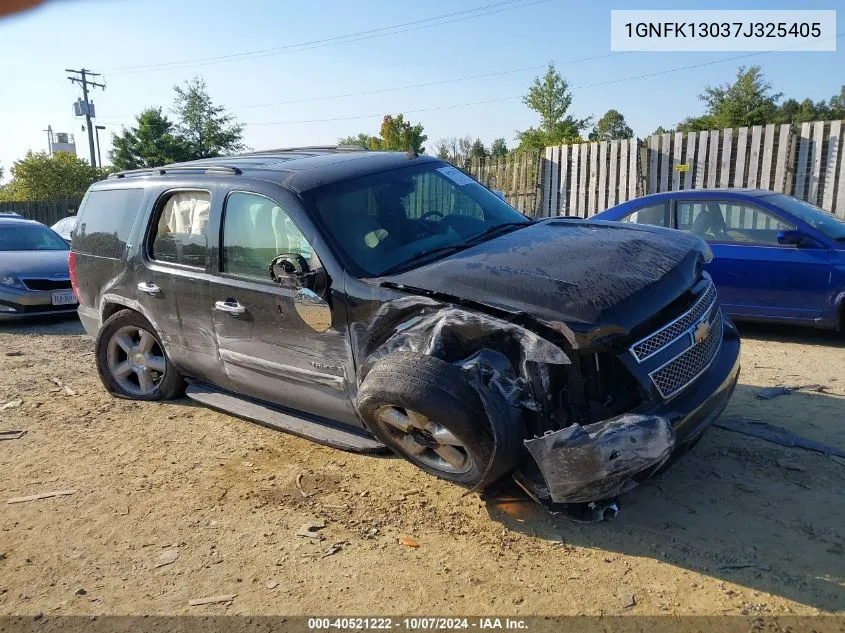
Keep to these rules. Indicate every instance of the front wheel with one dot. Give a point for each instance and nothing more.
(424, 409)
(131, 359)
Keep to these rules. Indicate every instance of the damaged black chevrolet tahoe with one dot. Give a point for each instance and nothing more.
(378, 299)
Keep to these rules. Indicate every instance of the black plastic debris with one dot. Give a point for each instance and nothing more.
(597, 461)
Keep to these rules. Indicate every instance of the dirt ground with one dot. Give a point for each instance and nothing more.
(738, 525)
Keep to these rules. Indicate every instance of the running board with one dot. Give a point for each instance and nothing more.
(321, 432)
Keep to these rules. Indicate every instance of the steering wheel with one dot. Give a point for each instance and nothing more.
(427, 215)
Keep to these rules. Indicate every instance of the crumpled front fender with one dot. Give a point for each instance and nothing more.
(597, 461)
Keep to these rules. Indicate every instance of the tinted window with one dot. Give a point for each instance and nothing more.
(733, 222)
(654, 214)
(105, 220)
(818, 218)
(392, 220)
(30, 237)
(255, 230)
(180, 233)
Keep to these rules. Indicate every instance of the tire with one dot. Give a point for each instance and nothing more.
(115, 356)
(441, 410)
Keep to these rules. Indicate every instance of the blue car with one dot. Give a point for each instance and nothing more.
(775, 258)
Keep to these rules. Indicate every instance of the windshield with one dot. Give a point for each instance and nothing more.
(64, 225)
(393, 220)
(30, 237)
(818, 218)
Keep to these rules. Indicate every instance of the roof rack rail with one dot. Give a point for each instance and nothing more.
(161, 171)
(305, 148)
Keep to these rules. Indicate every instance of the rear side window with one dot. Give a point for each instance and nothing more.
(180, 232)
(655, 215)
(105, 221)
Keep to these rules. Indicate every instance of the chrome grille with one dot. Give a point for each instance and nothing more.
(653, 343)
(685, 368)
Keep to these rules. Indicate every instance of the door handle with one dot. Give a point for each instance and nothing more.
(230, 307)
(150, 289)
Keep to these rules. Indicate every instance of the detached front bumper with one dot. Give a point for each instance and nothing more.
(17, 303)
(580, 464)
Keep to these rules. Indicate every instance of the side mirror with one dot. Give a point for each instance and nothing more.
(288, 265)
(499, 193)
(795, 238)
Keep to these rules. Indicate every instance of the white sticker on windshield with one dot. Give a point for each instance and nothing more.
(456, 176)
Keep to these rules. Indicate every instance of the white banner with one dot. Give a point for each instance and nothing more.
(723, 30)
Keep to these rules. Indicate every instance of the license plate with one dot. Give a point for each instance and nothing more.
(63, 298)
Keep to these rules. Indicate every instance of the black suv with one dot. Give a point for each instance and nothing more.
(380, 299)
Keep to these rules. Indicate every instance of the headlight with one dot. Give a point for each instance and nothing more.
(708, 253)
(11, 282)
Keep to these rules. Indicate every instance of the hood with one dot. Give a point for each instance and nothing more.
(579, 277)
(34, 263)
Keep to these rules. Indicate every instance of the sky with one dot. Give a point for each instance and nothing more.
(291, 95)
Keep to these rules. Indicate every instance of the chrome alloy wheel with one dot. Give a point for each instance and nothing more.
(424, 439)
(136, 360)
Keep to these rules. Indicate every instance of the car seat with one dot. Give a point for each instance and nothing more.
(701, 224)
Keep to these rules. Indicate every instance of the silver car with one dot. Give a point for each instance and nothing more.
(34, 278)
(64, 227)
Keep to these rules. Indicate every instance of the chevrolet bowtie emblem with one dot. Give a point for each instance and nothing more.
(701, 331)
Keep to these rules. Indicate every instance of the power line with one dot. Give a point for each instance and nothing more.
(512, 98)
(427, 84)
(333, 41)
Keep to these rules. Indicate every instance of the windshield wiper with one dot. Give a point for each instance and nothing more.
(494, 230)
(452, 248)
(425, 255)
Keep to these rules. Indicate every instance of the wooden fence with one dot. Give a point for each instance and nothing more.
(518, 176)
(819, 165)
(583, 179)
(753, 158)
(46, 212)
(806, 161)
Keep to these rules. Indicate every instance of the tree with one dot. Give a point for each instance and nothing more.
(477, 149)
(661, 130)
(443, 148)
(745, 102)
(549, 97)
(362, 139)
(464, 147)
(152, 142)
(205, 127)
(611, 127)
(498, 147)
(39, 176)
(793, 111)
(837, 104)
(395, 134)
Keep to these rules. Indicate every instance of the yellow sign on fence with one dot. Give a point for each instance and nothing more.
(683, 167)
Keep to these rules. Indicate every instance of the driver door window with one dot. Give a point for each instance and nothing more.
(255, 230)
(730, 222)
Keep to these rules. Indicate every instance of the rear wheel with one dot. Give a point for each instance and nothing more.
(131, 359)
(424, 409)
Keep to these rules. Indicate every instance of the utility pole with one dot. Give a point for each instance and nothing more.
(97, 129)
(49, 131)
(83, 81)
